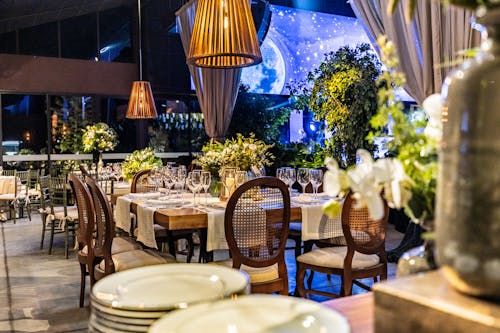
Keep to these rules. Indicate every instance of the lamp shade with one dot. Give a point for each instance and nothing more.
(224, 35)
(141, 104)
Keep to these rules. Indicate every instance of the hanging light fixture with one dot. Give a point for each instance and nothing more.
(224, 35)
(141, 104)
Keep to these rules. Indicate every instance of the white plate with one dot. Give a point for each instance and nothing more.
(254, 313)
(127, 319)
(117, 326)
(166, 202)
(169, 286)
(140, 315)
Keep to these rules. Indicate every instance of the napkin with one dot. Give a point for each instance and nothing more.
(216, 236)
(316, 225)
(145, 228)
(122, 213)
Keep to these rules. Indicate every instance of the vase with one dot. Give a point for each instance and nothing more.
(215, 186)
(468, 188)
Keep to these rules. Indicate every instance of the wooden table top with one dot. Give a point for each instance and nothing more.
(358, 309)
(192, 218)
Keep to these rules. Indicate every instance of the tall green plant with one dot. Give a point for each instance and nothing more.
(252, 114)
(342, 93)
(67, 134)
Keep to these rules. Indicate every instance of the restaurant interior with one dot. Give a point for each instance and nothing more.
(249, 166)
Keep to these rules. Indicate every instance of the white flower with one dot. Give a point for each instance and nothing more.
(433, 106)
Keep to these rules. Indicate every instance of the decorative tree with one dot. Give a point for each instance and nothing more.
(68, 121)
(342, 93)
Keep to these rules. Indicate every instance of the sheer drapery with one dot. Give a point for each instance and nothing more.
(432, 39)
(216, 89)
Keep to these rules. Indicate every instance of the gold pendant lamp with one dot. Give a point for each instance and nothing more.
(141, 104)
(224, 35)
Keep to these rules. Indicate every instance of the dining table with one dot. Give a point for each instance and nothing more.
(359, 310)
(303, 208)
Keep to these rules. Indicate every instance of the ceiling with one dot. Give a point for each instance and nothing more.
(18, 14)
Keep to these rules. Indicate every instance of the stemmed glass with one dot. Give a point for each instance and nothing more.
(180, 177)
(316, 179)
(156, 178)
(193, 182)
(228, 179)
(206, 179)
(303, 178)
(240, 178)
(168, 178)
(291, 176)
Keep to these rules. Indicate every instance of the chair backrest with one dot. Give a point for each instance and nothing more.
(58, 193)
(86, 214)
(104, 225)
(257, 221)
(33, 178)
(43, 186)
(84, 171)
(23, 177)
(9, 172)
(140, 182)
(361, 233)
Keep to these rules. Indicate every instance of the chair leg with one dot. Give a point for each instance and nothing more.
(28, 208)
(190, 248)
(299, 281)
(52, 231)
(347, 283)
(298, 247)
(43, 230)
(66, 241)
(310, 279)
(83, 273)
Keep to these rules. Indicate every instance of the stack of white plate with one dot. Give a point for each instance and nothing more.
(254, 313)
(131, 300)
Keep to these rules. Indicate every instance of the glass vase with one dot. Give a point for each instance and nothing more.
(468, 189)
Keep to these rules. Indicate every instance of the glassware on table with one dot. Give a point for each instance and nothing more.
(291, 175)
(240, 178)
(193, 182)
(206, 179)
(303, 178)
(228, 180)
(180, 177)
(156, 178)
(316, 179)
(168, 178)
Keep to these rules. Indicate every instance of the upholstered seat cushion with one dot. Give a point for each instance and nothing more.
(257, 275)
(333, 257)
(133, 259)
(119, 245)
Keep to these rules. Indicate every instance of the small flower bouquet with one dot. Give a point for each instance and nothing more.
(140, 160)
(369, 180)
(245, 153)
(99, 137)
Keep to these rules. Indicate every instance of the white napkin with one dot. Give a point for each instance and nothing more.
(122, 213)
(145, 228)
(316, 225)
(216, 236)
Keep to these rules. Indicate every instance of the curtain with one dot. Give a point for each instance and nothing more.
(216, 89)
(431, 40)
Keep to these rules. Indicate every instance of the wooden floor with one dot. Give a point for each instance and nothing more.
(39, 292)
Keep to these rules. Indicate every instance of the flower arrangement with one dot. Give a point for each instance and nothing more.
(99, 137)
(368, 180)
(242, 152)
(140, 160)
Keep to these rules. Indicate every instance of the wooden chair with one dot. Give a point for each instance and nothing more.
(256, 236)
(22, 198)
(105, 227)
(58, 217)
(140, 184)
(9, 200)
(363, 257)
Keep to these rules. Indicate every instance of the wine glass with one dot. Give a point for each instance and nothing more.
(291, 176)
(193, 182)
(206, 179)
(168, 178)
(156, 177)
(316, 179)
(241, 177)
(228, 179)
(303, 178)
(180, 177)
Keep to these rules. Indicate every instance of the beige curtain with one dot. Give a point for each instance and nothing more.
(216, 89)
(432, 39)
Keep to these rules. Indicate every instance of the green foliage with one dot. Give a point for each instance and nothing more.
(67, 135)
(99, 137)
(342, 92)
(297, 155)
(252, 115)
(416, 151)
(140, 160)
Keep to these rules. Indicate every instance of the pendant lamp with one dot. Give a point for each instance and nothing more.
(141, 104)
(224, 35)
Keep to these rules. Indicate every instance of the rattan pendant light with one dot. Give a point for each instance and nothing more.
(141, 104)
(224, 35)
